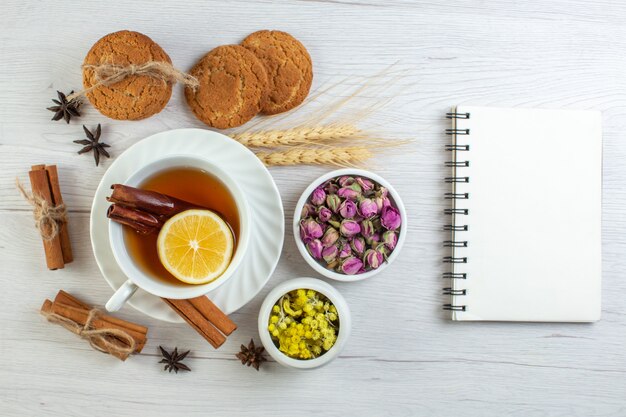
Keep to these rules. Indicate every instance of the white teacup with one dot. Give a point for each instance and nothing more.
(137, 277)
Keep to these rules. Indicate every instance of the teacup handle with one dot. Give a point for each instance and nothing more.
(120, 297)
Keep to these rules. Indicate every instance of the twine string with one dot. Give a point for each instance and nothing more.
(109, 74)
(48, 218)
(106, 340)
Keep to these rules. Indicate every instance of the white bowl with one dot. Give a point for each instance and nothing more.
(317, 265)
(343, 312)
(137, 277)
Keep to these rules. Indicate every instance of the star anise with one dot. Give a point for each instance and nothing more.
(92, 143)
(65, 108)
(251, 355)
(172, 360)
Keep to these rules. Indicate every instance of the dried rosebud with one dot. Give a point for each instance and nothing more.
(368, 208)
(309, 230)
(349, 228)
(345, 250)
(373, 240)
(324, 214)
(351, 265)
(330, 237)
(390, 239)
(356, 187)
(348, 209)
(373, 258)
(318, 196)
(383, 250)
(334, 223)
(333, 202)
(390, 218)
(366, 185)
(358, 245)
(379, 203)
(345, 181)
(382, 192)
(330, 253)
(307, 210)
(315, 248)
(367, 228)
(331, 187)
(348, 193)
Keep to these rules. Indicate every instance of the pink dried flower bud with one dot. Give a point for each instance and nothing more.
(382, 192)
(366, 185)
(367, 208)
(373, 258)
(309, 230)
(324, 214)
(351, 265)
(390, 218)
(347, 209)
(349, 228)
(367, 228)
(333, 202)
(345, 250)
(330, 187)
(330, 237)
(318, 196)
(373, 240)
(345, 181)
(390, 239)
(307, 210)
(358, 245)
(315, 248)
(330, 253)
(348, 193)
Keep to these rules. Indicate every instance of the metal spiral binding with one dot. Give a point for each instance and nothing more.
(453, 227)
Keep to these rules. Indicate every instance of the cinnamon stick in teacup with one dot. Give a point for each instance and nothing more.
(149, 201)
(142, 210)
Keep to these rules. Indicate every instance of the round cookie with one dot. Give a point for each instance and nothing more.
(136, 96)
(232, 83)
(288, 65)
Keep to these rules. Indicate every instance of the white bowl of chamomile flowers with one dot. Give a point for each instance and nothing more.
(304, 323)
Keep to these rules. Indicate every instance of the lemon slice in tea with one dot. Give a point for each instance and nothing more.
(195, 246)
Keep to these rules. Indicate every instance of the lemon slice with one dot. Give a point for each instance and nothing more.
(195, 246)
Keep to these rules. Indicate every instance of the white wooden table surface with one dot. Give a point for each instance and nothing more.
(404, 358)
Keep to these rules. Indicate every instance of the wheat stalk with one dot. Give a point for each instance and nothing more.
(344, 156)
(300, 135)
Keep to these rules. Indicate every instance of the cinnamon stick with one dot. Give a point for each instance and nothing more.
(150, 201)
(64, 236)
(40, 186)
(213, 314)
(68, 299)
(140, 221)
(195, 319)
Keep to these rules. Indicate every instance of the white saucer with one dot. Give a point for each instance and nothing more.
(268, 224)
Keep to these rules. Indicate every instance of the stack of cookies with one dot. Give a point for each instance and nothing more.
(270, 72)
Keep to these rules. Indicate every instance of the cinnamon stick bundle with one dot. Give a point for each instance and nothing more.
(144, 211)
(105, 333)
(205, 317)
(50, 219)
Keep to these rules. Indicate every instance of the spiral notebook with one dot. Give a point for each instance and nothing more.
(525, 215)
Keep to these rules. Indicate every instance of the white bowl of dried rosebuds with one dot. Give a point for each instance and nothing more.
(349, 224)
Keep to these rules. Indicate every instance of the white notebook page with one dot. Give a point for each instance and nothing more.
(534, 222)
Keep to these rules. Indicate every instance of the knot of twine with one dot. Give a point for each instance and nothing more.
(48, 218)
(111, 341)
(108, 74)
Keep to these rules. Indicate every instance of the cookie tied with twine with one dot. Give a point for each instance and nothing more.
(128, 76)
